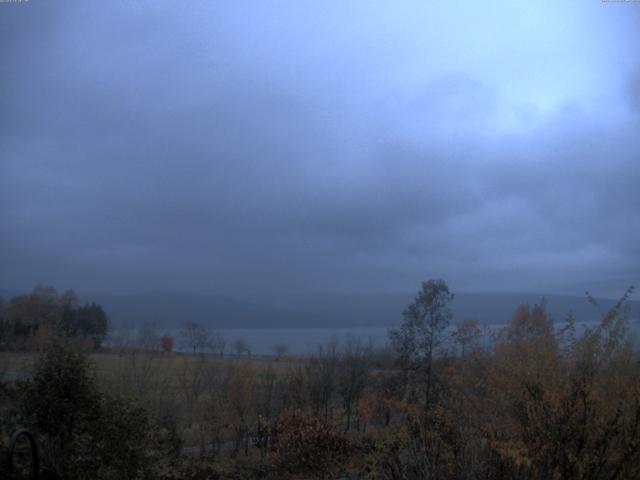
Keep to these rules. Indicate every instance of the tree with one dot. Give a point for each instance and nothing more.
(217, 343)
(280, 349)
(93, 323)
(321, 371)
(83, 432)
(422, 334)
(147, 337)
(45, 310)
(5, 331)
(241, 347)
(167, 343)
(61, 393)
(240, 392)
(527, 323)
(26, 313)
(194, 337)
(467, 335)
(567, 413)
(353, 375)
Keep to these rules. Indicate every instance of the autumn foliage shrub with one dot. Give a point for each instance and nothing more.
(308, 446)
(561, 405)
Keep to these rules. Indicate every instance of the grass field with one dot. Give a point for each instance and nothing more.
(196, 395)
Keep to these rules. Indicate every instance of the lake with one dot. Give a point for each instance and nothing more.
(304, 341)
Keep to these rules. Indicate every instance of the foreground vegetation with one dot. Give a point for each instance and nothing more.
(538, 402)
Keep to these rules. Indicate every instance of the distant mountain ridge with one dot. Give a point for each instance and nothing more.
(171, 309)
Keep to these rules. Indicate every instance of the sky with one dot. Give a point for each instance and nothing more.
(287, 146)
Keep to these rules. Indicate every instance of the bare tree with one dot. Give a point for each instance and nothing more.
(148, 338)
(321, 371)
(214, 412)
(192, 380)
(217, 343)
(265, 406)
(241, 347)
(280, 349)
(194, 337)
(353, 375)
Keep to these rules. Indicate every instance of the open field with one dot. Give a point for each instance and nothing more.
(184, 387)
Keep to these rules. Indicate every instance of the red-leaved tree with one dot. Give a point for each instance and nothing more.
(167, 343)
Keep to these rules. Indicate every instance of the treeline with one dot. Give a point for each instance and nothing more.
(539, 401)
(193, 338)
(30, 321)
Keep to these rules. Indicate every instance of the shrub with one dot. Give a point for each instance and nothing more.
(304, 444)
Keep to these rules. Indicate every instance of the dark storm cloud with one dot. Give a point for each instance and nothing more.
(149, 146)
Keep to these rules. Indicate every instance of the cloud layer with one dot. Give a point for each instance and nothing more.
(280, 147)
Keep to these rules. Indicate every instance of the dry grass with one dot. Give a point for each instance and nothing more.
(191, 390)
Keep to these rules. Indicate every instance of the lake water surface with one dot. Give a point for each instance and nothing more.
(304, 341)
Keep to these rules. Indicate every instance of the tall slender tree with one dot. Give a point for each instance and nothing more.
(422, 335)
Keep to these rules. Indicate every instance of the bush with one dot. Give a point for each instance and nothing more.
(304, 444)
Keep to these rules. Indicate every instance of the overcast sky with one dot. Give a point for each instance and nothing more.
(235, 147)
